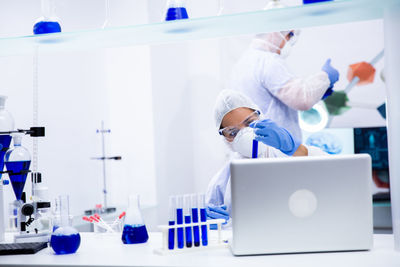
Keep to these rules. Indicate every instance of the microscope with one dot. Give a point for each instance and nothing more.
(32, 218)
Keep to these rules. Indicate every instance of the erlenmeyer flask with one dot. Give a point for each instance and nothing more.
(176, 9)
(6, 125)
(17, 161)
(48, 22)
(65, 239)
(134, 229)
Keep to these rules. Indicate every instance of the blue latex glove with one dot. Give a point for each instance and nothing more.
(217, 212)
(333, 74)
(271, 134)
(327, 93)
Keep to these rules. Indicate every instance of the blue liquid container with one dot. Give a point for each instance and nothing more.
(196, 230)
(203, 218)
(18, 179)
(6, 125)
(255, 149)
(43, 27)
(134, 234)
(188, 232)
(175, 13)
(179, 220)
(314, 1)
(171, 236)
(65, 243)
(5, 141)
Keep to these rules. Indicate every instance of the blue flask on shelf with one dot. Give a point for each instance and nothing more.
(134, 231)
(48, 22)
(176, 9)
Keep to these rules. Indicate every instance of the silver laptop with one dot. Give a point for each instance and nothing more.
(302, 204)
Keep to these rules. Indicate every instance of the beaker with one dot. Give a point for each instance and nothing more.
(6, 125)
(65, 239)
(134, 231)
(17, 161)
(48, 22)
(176, 9)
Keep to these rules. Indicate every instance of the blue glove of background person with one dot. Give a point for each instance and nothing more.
(333, 74)
(216, 212)
(327, 93)
(271, 134)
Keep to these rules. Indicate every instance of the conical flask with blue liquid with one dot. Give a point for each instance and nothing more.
(176, 9)
(6, 125)
(134, 231)
(17, 161)
(48, 22)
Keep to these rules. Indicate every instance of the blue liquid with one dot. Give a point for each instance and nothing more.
(196, 232)
(171, 236)
(179, 220)
(314, 1)
(18, 180)
(43, 27)
(188, 232)
(175, 13)
(65, 244)
(255, 149)
(5, 141)
(134, 234)
(203, 218)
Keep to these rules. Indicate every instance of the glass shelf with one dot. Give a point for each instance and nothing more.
(201, 28)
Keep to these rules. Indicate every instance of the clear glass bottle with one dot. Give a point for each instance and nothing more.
(176, 9)
(48, 22)
(65, 239)
(134, 231)
(17, 161)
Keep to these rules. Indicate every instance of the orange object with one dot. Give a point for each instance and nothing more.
(363, 70)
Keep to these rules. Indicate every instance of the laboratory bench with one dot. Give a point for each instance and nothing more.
(108, 250)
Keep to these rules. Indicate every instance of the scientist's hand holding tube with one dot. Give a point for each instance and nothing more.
(272, 135)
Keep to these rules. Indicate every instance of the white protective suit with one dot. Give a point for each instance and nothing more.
(262, 75)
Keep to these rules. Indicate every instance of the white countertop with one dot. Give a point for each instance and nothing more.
(108, 250)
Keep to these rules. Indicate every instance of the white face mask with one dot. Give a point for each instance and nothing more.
(285, 51)
(243, 143)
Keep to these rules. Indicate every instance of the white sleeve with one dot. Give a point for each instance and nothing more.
(303, 94)
(315, 151)
(217, 187)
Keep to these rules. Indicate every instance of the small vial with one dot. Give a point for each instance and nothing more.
(188, 219)
(255, 149)
(203, 218)
(171, 221)
(195, 219)
(179, 220)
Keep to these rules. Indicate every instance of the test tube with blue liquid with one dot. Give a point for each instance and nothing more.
(179, 220)
(203, 218)
(171, 221)
(255, 149)
(195, 219)
(188, 219)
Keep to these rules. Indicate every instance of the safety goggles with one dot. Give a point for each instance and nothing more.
(230, 132)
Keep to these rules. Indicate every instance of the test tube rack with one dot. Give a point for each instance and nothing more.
(213, 242)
